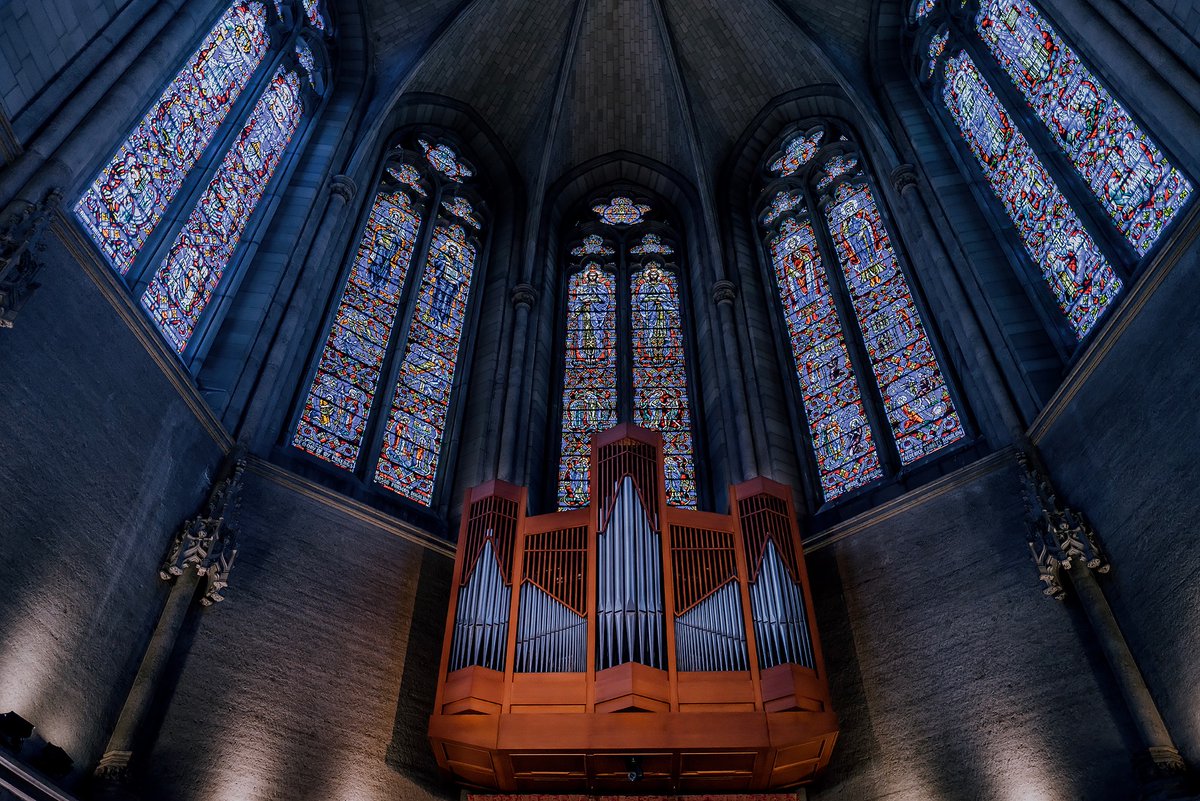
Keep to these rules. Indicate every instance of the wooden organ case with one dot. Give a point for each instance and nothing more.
(631, 646)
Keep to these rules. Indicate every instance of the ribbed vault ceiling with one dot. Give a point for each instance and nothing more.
(666, 79)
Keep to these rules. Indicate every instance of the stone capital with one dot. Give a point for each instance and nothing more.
(523, 295)
(343, 186)
(724, 291)
(904, 177)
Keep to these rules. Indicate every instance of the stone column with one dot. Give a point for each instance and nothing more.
(98, 114)
(202, 553)
(523, 298)
(1061, 539)
(920, 229)
(723, 294)
(256, 426)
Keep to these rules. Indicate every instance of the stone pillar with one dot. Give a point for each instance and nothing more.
(202, 552)
(272, 385)
(523, 298)
(1061, 539)
(98, 114)
(723, 294)
(920, 229)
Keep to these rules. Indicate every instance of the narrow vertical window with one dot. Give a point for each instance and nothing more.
(194, 266)
(343, 391)
(915, 397)
(1077, 272)
(660, 394)
(1137, 185)
(128, 198)
(590, 380)
(841, 437)
(413, 437)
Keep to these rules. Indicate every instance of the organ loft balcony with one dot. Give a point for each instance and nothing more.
(631, 646)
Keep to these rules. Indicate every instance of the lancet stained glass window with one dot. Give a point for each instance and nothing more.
(844, 448)
(1131, 178)
(343, 392)
(660, 394)
(590, 381)
(128, 198)
(915, 396)
(412, 440)
(1082, 280)
(188, 276)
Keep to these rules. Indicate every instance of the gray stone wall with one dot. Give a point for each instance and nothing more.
(953, 677)
(100, 460)
(1123, 450)
(315, 678)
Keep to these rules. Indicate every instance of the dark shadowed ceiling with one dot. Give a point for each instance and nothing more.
(674, 80)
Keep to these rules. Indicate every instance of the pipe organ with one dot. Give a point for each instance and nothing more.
(697, 626)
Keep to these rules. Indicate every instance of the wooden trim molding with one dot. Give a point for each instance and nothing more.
(1122, 317)
(348, 506)
(869, 519)
(118, 297)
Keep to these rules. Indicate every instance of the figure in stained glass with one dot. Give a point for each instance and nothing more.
(128, 198)
(1137, 185)
(1077, 272)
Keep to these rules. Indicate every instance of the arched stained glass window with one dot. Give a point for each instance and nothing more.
(195, 264)
(660, 385)
(128, 198)
(873, 393)
(312, 9)
(381, 396)
(1077, 272)
(335, 414)
(624, 346)
(590, 381)
(412, 443)
(1126, 171)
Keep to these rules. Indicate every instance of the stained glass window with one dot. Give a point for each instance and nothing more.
(652, 244)
(937, 46)
(593, 245)
(835, 168)
(339, 402)
(622, 211)
(841, 437)
(412, 441)
(461, 208)
(408, 175)
(1134, 182)
(590, 380)
(923, 9)
(781, 204)
(128, 198)
(660, 394)
(445, 160)
(1078, 274)
(304, 55)
(915, 396)
(797, 152)
(187, 278)
(312, 9)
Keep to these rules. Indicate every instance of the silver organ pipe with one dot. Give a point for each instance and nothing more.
(630, 619)
(481, 619)
(780, 618)
(550, 637)
(710, 635)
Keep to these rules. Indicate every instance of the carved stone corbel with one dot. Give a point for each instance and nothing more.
(20, 246)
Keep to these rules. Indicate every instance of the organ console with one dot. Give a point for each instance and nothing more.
(630, 645)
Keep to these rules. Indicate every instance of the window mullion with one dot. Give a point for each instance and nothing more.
(624, 335)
